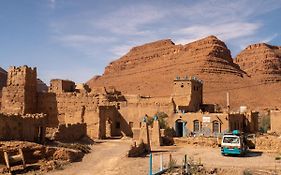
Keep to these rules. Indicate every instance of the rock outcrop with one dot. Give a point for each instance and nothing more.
(150, 69)
(3, 78)
(261, 61)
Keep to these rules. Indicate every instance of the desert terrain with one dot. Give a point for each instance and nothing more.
(148, 69)
(110, 158)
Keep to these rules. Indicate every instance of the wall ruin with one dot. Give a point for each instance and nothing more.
(275, 121)
(70, 132)
(29, 127)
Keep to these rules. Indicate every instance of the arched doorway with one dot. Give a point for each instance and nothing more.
(180, 128)
(216, 127)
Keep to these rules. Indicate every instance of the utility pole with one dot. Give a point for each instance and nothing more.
(227, 102)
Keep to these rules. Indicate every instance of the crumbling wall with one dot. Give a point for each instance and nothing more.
(109, 122)
(236, 122)
(136, 107)
(72, 108)
(275, 121)
(251, 122)
(71, 132)
(20, 95)
(60, 86)
(47, 104)
(30, 127)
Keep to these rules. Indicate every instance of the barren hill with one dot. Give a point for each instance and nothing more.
(150, 69)
(262, 62)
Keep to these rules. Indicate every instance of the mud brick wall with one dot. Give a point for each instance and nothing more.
(252, 123)
(135, 108)
(20, 95)
(71, 132)
(26, 128)
(60, 86)
(236, 122)
(188, 94)
(72, 108)
(275, 121)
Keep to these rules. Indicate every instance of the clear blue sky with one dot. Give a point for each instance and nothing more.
(76, 39)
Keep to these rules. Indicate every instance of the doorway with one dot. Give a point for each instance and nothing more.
(180, 128)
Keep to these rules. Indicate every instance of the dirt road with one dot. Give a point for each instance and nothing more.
(102, 160)
(109, 158)
(211, 157)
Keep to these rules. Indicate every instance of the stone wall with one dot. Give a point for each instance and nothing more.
(29, 127)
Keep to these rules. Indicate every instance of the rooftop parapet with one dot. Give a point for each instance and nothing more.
(188, 78)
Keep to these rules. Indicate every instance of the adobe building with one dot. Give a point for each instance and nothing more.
(19, 117)
(187, 94)
(28, 127)
(106, 112)
(20, 95)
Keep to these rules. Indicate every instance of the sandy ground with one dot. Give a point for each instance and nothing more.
(102, 160)
(109, 158)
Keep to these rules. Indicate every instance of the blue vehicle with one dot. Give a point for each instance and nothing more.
(234, 144)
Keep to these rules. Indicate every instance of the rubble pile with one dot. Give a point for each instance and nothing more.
(269, 143)
(197, 141)
(40, 157)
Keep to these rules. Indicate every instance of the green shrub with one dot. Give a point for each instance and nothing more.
(162, 117)
(264, 124)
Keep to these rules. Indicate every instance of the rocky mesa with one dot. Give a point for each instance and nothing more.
(149, 70)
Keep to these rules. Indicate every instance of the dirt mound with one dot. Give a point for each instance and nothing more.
(44, 158)
(150, 69)
(269, 143)
(69, 155)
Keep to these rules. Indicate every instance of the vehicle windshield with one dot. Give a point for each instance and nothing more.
(234, 140)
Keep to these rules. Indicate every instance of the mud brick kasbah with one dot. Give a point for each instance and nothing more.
(106, 112)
